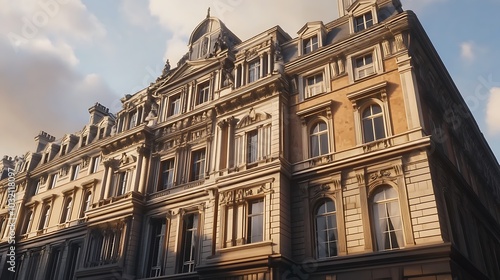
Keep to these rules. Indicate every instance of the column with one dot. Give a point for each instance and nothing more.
(261, 68)
(269, 64)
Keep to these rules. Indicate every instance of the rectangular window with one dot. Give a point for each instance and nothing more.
(252, 146)
(33, 265)
(73, 259)
(53, 265)
(167, 175)
(101, 133)
(363, 66)
(46, 158)
(314, 85)
(63, 149)
(203, 93)
(84, 141)
(189, 243)
(255, 221)
(37, 186)
(310, 44)
(174, 107)
(95, 164)
(53, 180)
(254, 71)
(364, 21)
(157, 245)
(121, 182)
(133, 120)
(198, 165)
(74, 172)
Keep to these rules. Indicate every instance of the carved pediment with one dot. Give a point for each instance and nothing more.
(252, 117)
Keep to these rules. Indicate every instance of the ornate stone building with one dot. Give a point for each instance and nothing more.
(346, 152)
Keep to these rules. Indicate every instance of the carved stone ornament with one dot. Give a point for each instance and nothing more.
(380, 174)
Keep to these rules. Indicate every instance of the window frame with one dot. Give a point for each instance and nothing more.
(86, 202)
(319, 134)
(75, 169)
(251, 216)
(194, 246)
(372, 119)
(161, 245)
(316, 208)
(306, 49)
(376, 229)
(161, 186)
(377, 63)
(374, 94)
(66, 210)
(310, 90)
(203, 92)
(197, 165)
(365, 24)
(325, 84)
(95, 164)
(254, 67)
(174, 105)
(121, 182)
(44, 217)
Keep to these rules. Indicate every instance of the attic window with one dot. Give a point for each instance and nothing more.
(310, 44)
(363, 21)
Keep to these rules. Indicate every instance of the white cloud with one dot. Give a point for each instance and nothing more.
(243, 18)
(31, 19)
(468, 51)
(493, 112)
(39, 80)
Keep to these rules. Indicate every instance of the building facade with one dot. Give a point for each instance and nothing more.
(346, 152)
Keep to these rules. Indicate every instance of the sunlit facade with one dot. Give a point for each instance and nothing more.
(345, 152)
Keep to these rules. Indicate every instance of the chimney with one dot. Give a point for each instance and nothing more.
(42, 139)
(97, 112)
(5, 163)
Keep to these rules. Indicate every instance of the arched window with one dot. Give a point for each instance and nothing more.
(44, 221)
(318, 139)
(373, 123)
(87, 201)
(326, 229)
(387, 223)
(66, 215)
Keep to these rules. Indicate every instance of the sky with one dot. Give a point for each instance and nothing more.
(59, 57)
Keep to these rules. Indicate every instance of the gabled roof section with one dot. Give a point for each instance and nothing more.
(313, 25)
(360, 4)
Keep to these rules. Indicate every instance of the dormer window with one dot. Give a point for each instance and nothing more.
(310, 44)
(84, 141)
(63, 149)
(363, 21)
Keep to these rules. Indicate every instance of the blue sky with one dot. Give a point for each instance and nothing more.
(59, 57)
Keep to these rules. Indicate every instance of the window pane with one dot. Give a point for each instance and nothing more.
(324, 144)
(326, 230)
(379, 128)
(255, 221)
(368, 130)
(252, 146)
(376, 109)
(314, 146)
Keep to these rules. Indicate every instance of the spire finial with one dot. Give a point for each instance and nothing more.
(208, 12)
